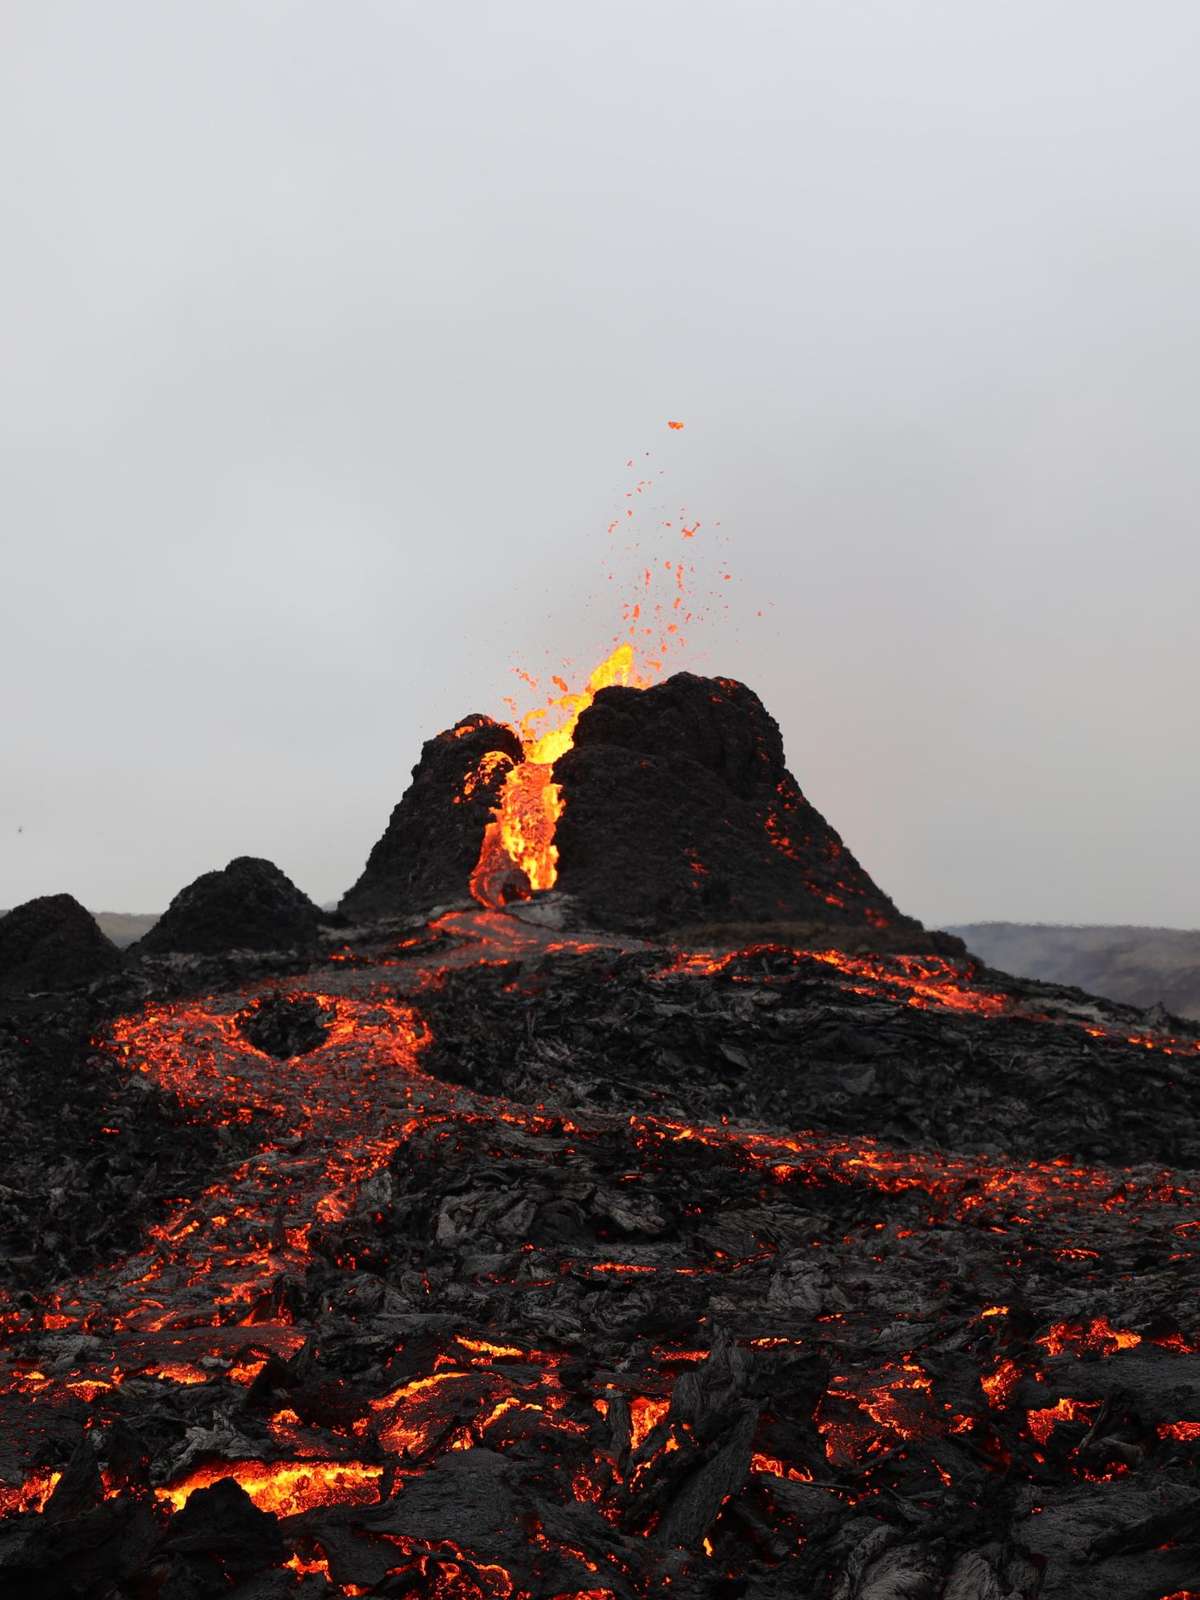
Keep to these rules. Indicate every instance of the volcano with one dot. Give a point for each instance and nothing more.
(647, 808)
(450, 1253)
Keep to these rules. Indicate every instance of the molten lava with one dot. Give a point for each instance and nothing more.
(518, 854)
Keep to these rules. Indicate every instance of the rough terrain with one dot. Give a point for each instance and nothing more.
(561, 1266)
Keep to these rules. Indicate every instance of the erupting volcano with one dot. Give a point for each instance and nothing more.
(645, 806)
(540, 1232)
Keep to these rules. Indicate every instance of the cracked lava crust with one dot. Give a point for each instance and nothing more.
(579, 1267)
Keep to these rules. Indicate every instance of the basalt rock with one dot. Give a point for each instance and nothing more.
(248, 905)
(679, 810)
(52, 943)
(93, 1153)
(429, 849)
(286, 1025)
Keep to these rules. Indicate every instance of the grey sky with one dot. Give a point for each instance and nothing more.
(328, 330)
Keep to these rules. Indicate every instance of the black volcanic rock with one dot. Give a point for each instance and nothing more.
(431, 844)
(52, 943)
(679, 809)
(248, 905)
(93, 1153)
(286, 1025)
(222, 1530)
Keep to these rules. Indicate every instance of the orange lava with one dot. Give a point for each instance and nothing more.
(776, 1468)
(1185, 1432)
(999, 1385)
(285, 1487)
(1097, 1337)
(926, 983)
(519, 840)
(1043, 1421)
(645, 1414)
(30, 1495)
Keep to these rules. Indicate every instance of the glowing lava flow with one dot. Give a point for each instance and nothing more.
(343, 1109)
(520, 837)
(926, 983)
(217, 1296)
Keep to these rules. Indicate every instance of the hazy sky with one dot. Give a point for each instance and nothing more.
(329, 329)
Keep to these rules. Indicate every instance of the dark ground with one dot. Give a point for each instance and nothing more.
(932, 1335)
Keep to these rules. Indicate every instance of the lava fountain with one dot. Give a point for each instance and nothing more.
(518, 854)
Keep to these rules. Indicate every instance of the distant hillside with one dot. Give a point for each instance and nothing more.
(123, 927)
(1137, 965)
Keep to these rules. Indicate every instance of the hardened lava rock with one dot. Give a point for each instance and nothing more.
(52, 943)
(570, 1271)
(286, 1025)
(678, 809)
(248, 905)
(431, 844)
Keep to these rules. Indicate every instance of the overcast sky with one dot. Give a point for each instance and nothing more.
(329, 331)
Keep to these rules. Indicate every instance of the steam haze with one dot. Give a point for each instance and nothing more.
(329, 332)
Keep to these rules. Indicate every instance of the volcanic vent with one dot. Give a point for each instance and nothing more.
(651, 807)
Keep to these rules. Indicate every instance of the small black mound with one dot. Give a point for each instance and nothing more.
(52, 943)
(286, 1025)
(249, 905)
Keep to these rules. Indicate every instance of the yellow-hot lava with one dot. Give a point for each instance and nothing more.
(518, 853)
(285, 1487)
